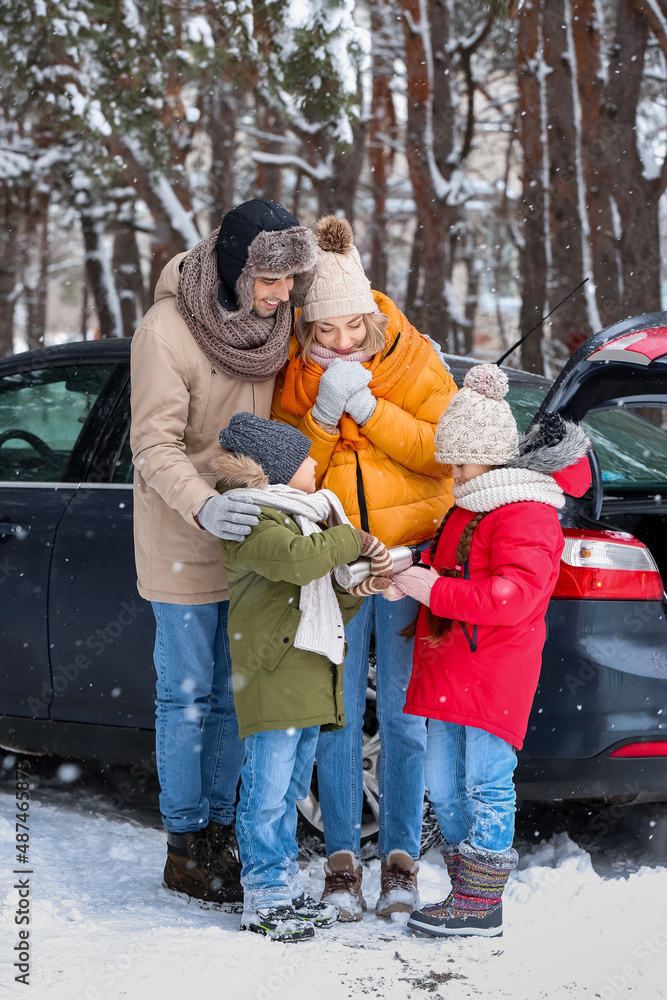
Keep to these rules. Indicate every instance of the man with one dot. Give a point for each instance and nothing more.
(209, 347)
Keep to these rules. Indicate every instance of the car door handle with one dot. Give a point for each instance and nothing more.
(7, 528)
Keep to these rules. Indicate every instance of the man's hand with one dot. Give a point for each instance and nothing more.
(230, 518)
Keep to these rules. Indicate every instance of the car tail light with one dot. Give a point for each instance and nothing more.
(607, 565)
(650, 748)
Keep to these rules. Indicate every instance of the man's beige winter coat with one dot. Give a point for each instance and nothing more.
(180, 403)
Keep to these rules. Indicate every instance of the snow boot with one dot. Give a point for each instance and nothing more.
(194, 876)
(342, 885)
(474, 906)
(224, 852)
(450, 855)
(398, 885)
(278, 923)
(320, 914)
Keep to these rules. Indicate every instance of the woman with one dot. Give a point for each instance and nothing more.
(368, 389)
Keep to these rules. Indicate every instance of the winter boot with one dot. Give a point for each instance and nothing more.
(279, 923)
(342, 885)
(474, 905)
(398, 885)
(450, 855)
(320, 914)
(224, 851)
(192, 874)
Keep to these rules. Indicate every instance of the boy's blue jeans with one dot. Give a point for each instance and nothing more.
(340, 762)
(198, 750)
(276, 773)
(469, 784)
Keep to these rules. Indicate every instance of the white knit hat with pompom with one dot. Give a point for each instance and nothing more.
(478, 426)
(340, 286)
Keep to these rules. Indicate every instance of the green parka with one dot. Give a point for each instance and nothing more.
(277, 686)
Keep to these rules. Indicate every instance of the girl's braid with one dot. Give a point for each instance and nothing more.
(439, 627)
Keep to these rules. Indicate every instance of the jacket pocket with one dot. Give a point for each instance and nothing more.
(271, 650)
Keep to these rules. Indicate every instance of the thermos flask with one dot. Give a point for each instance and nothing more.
(402, 556)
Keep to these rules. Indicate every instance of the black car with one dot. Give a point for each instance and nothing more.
(76, 639)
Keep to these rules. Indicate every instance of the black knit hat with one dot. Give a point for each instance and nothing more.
(237, 231)
(278, 448)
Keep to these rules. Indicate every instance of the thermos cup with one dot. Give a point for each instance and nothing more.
(402, 556)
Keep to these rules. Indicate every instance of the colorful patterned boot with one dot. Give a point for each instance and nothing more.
(474, 905)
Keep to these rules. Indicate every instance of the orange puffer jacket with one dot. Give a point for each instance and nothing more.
(388, 479)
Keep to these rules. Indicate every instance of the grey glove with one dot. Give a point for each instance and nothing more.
(361, 405)
(231, 518)
(340, 381)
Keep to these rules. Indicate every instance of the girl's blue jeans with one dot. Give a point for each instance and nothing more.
(469, 784)
(340, 762)
(199, 753)
(276, 773)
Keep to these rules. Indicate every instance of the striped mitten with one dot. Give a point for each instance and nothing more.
(377, 552)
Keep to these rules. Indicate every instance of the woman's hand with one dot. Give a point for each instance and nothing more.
(341, 380)
(361, 405)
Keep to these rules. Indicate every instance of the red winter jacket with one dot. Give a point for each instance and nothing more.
(514, 564)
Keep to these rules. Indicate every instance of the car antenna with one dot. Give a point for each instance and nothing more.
(527, 335)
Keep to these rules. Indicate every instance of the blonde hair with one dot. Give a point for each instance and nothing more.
(376, 333)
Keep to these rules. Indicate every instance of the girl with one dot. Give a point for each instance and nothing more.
(367, 389)
(479, 635)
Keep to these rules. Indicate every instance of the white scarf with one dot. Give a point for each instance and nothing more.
(506, 485)
(321, 627)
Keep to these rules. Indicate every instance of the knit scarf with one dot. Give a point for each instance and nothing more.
(506, 485)
(242, 344)
(323, 356)
(404, 360)
(320, 629)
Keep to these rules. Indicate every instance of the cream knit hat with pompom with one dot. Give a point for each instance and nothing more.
(340, 287)
(478, 426)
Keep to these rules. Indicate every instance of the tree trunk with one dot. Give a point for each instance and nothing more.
(35, 266)
(219, 112)
(100, 274)
(380, 155)
(9, 223)
(570, 324)
(430, 143)
(268, 178)
(127, 278)
(635, 195)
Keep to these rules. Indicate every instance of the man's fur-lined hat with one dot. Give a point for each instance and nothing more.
(261, 239)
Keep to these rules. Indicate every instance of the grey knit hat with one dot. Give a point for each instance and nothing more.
(478, 426)
(340, 286)
(278, 448)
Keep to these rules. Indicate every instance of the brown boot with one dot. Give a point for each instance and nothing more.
(191, 872)
(224, 851)
(398, 885)
(342, 885)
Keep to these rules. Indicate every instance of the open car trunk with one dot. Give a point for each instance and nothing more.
(614, 373)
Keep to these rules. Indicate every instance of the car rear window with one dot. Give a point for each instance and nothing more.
(632, 451)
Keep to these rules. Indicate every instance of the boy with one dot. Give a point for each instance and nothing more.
(287, 644)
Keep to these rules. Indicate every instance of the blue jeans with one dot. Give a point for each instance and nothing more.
(469, 784)
(277, 771)
(199, 753)
(402, 738)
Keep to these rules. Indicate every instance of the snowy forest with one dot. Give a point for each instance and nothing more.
(491, 156)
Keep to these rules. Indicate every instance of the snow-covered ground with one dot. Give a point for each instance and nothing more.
(102, 927)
